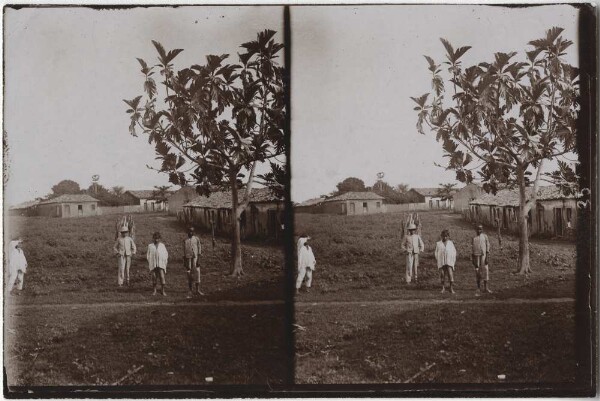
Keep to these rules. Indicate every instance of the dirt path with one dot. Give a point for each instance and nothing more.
(437, 302)
(297, 304)
(142, 304)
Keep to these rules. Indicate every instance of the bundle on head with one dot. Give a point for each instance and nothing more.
(411, 218)
(126, 221)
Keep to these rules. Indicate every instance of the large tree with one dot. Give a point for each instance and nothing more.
(213, 123)
(350, 184)
(503, 119)
(65, 187)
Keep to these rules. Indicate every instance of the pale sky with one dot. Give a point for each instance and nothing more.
(68, 69)
(354, 68)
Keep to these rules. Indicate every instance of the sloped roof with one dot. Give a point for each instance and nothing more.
(510, 197)
(366, 195)
(25, 205)
(311, 202)
(430, 191)
(185, 190)
(70, 198)
(142, 193)
(222, 199)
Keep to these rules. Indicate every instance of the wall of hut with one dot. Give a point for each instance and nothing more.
(465, 195)
(259, 220)
(354, 207)
(549, 218)
(180, 198)
(68, 209)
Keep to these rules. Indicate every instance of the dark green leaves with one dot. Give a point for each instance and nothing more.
(503, 113)
(451, 54)
(421, 100)
(164, 57)
(216, 118)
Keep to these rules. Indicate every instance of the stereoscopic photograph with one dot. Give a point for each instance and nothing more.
(300, 200)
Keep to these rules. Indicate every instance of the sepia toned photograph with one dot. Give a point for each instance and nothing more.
(438, 208)
(300, 200)
(145, 176)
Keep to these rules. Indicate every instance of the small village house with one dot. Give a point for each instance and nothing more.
(313, 205)
(72, 205)
(146, 199)
(554, 214)
(432, 199)
(465, 195)
(262, 218)
(354, 203)
(24, 209)
(179, 198)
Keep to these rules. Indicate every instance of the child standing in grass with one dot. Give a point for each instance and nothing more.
(17, 265)
(479, 257)
(157, 257)
(445, 255)
(191, 252)
(306, 266)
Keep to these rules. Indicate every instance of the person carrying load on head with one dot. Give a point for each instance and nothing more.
(412, 245)
(124, 249)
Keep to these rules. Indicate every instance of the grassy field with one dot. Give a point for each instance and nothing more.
(361, 323)
(359, 257)
(72, 324)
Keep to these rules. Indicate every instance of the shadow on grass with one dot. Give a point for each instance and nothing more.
(231, 345)
(467, 344)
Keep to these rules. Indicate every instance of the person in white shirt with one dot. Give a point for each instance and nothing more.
(158, 258)
(124, 249)
(17, 265)
(445, 255)
(412, 245)
(306, 266)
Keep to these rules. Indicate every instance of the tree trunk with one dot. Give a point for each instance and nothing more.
(524, 267)
(236, 244)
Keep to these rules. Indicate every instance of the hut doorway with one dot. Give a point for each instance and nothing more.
(558, 222)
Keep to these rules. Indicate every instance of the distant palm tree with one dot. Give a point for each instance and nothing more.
(446, 191)
(402, 188)
(118, 191)
(161, 192)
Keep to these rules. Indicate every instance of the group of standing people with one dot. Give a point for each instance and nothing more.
(157, 257)
(412, 245)
(445, 256)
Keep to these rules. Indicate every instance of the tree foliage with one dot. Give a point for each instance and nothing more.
(104, 196)
(211, 123)
(118, 191)
(446, 191)
(501, 119)
(65, 187)
(350, 184)
(216, 118)
(503, 115)
(160, 192)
